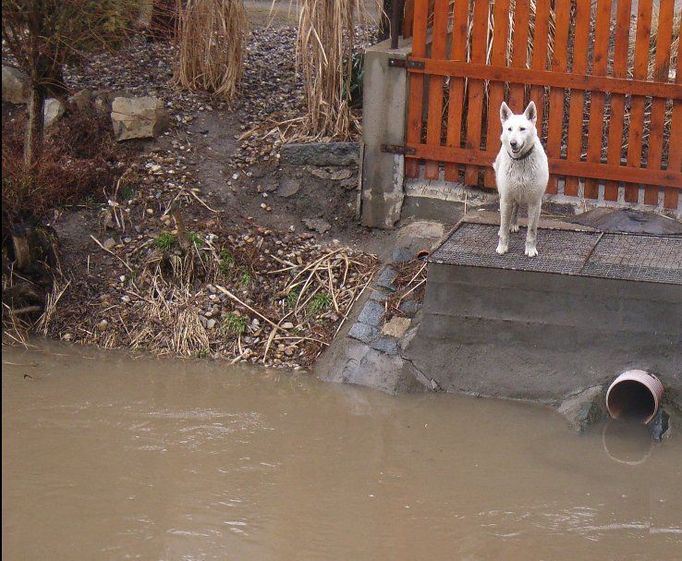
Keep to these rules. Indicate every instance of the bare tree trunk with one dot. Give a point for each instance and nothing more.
(36, 126)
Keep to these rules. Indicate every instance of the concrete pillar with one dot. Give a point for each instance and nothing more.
(384, 117)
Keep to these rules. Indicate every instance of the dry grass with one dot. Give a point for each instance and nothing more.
(274, 302)
(210, 37)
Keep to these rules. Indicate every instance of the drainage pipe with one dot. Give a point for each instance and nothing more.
(636, 395)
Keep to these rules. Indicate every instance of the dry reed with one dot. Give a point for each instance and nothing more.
(210, 37)
(323, 53)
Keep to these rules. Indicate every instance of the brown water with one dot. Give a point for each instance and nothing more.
(106, 457)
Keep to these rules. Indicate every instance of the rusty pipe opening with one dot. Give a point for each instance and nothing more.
(634, 395)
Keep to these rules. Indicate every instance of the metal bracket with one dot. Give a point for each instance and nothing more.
(405, 63)
(398, 149)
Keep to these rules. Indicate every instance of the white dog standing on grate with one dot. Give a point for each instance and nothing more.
(521, 174)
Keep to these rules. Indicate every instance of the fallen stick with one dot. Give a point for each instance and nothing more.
(228, 293)
(111, 253)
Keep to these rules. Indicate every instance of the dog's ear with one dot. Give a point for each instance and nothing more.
(531, 112)
(505, 112)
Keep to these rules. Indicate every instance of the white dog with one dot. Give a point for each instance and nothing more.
(521, 174)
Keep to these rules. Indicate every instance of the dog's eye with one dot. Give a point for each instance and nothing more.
(509, 129)
(522, 128)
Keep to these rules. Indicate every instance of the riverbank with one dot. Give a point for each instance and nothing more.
(206, 243)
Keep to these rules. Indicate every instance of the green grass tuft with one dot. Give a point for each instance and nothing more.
(166, 241)
(226, 263)
(320, 302)
(233, 324)
(196, 239)
(292, 297)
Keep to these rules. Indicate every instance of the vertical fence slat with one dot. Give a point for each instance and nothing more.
(540, 50)
(408, 17)
(664, 35)
(519, 52)
(435, 109)
(640, 70)
(671, 196)
(455, 107)
(496, 92)
(479, 40)
(555, 117)
(616, 121)
(576, 107)
(415, 109)
(601, 53)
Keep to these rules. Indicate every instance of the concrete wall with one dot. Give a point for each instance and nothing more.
(384, 114)
(544, 336)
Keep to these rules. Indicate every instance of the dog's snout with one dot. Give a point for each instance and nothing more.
(513, 143)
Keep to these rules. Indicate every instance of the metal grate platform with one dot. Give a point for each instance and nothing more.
(568, 252)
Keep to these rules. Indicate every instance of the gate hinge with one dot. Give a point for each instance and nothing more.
(398, 149)
(405, 63)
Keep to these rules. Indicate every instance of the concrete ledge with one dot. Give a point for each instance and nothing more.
(543, 336)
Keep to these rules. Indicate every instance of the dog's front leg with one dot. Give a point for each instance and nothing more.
(532, 235)
(514, 223)
(505, 217)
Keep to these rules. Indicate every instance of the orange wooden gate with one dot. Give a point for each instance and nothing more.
(603, 78)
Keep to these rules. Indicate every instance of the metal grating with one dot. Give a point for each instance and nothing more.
(559, 251)
(641, 258)
(568, 252)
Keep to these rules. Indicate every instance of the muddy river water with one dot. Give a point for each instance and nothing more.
(110, 457)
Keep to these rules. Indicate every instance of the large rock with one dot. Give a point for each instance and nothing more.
(15, 85)
(138, 117)
(585, 408)
(53, 110)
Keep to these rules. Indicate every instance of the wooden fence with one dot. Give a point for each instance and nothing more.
(603, 78)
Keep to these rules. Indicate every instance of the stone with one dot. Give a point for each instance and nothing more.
(320, 153)
(340, 174)
(584, 408)
(396, 327)
(288, 188)
(330, 174)
(372, 313)
(378, 296)
(350, 184)
(287, 325)
(53, 110)
(386, 278)
(402, 255)
(659, 425)
(138, 117)
(15, 85)
(317, 224)
(410, 307)
(102, 100)
(102, 325)
(81, 100)
(109, 243)
(364, 333)
(210, 324)
(385, 344)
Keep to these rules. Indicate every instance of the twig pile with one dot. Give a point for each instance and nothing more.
(410, 285)
(210, 36)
